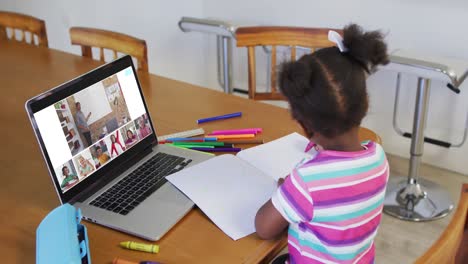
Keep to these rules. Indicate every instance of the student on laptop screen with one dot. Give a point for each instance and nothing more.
(332, 202)
(68, 178)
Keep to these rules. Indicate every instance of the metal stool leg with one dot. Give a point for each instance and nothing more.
(224, 53)
(416, 199)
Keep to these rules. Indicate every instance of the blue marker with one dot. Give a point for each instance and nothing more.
(221, 117)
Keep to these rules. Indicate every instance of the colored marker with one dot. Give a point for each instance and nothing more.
(209, 143)
(192, 139)
(151, 248)
(232, 133)
(188, 145)
(218, 149)
(176, 146)
(225, 146)
(237, 131)
(124, 261)
(244, 141)
(171, 141)
(235, 136)
(221, 117)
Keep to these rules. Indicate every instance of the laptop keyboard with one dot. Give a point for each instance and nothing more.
(130, 191)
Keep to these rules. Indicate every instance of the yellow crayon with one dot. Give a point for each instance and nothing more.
(140, 246)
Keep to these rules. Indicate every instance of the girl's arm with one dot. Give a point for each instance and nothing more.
(269, 223)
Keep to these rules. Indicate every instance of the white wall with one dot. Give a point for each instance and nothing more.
(171, 53)
(428, 26)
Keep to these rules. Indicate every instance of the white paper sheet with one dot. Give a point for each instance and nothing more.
(228, 190)
(278, 157)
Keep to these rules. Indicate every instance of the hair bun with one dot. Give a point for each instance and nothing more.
(368, 48)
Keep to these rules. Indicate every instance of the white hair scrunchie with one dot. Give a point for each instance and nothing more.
(336, 38)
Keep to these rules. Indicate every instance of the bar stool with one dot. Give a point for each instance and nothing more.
(414, 198)
(225, 33)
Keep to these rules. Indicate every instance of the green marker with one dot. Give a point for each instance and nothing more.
(188, 149)
(209, 143)
(192, 146)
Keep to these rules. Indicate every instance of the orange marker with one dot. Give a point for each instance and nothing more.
(123, 261)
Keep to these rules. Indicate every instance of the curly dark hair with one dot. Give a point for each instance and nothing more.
(326, 90)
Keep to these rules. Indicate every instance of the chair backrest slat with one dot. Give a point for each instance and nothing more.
(273, 69)
(101, 55)
(293, 53)
(252, 79)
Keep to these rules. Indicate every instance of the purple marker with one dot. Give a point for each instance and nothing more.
(218, 149)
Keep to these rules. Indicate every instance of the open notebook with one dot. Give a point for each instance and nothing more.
(230, 189)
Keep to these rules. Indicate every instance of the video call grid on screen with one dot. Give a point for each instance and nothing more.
(85, 131)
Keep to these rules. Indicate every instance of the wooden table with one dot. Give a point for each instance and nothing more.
(27, 193)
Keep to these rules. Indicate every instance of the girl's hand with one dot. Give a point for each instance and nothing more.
(280, 181)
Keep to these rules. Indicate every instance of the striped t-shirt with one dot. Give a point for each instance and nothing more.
(333, 203)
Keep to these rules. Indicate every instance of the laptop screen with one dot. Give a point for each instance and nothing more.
(87, 130)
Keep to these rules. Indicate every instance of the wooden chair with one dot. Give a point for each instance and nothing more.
(452, 245)
(24, 24)
(252, 37)
(367, 134)
(104, 39)
(312, 38)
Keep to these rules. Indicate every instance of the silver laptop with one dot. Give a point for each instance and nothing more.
(102, 152)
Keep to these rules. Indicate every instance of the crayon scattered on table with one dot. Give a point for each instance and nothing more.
(123, 261)
(151, 248)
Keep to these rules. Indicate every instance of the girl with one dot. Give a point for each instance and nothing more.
(131, 138)
(84, 166)
(116, 146)
(143, 130)
(331, 202)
